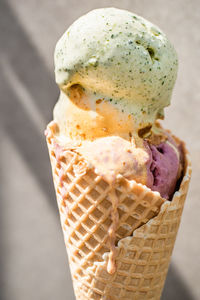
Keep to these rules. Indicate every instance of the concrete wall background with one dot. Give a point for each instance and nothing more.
(33, 263)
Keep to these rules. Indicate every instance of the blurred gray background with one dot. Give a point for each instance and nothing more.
(33, 262)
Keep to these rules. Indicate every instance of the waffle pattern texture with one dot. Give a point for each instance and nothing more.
(145, 234)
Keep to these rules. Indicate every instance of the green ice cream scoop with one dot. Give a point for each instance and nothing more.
(121, 56)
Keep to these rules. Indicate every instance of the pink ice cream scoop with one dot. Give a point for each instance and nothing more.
(164, 168)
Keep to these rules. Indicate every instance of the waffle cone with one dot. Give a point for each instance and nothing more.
(146, 228)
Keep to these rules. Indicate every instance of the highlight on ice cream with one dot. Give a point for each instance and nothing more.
(116, 72)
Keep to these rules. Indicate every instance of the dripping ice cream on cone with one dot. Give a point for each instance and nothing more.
(114, 166)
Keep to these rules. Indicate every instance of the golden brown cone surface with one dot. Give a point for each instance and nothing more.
(146, 229)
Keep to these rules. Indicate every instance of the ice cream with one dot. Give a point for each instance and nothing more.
(114, 166)
(116, 72)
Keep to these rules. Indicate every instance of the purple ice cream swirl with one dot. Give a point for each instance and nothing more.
(163, 167)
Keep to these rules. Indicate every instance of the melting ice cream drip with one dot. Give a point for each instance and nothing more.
(111, 267)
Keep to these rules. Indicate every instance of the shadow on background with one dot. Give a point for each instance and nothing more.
(2, 246)
(175, 288)
(29, 68)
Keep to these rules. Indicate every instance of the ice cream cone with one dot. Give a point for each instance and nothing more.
(131, 264)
